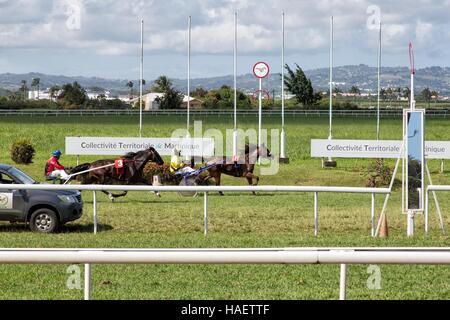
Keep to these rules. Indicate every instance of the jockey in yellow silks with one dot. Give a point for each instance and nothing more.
(177, 165)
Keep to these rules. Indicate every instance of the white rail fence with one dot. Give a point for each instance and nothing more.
(398, 112)
(342, 256)
(207, 189)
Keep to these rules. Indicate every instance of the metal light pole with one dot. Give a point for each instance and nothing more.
(188, 158)
(141, 78)
(235, 137)
(330, 132)
(330, 163)
(283, 157)
(379, 81)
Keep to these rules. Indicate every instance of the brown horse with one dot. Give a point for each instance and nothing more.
(239, 169)
(107, 173)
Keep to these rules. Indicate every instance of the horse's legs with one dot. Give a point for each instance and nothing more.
(112, 196)
(109, 194)
(143, 181)
(217, 179)
(250, 176)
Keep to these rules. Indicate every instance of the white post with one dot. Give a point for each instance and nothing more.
(94, 208)
(316, 214)
(259, 112)
(87, 282)
(188, 104)
(410, 224)
(330, 132)
(141, 78)
(410, 214)
(283, 134)
(379, 82)
(235, 87)
(343, 282)
(372, 215)
(205, 213)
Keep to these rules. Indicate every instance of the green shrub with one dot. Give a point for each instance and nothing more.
(22, 152)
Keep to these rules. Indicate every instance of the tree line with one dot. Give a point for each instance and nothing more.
(67, 96)
(73, 96)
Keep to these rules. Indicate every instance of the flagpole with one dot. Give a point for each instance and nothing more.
(330, 162)
(379, 81)
(235, 88)
(330, 132)
(283, 133)
(141, 77)
(188, 74)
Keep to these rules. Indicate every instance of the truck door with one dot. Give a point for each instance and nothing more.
(12, 202)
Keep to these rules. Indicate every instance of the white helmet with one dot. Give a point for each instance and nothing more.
(176, 152)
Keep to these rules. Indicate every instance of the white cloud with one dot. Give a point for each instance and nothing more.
(111, 27)
(424, 31)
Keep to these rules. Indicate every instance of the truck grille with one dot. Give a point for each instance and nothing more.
(79, 198)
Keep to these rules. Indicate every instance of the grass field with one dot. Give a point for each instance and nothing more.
(236, 220)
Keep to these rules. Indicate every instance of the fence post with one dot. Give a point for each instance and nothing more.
(205, 213)
(87, 281)
(426, 210)
(373, 215)
(316, 214)
(94, 210)
(343, 282)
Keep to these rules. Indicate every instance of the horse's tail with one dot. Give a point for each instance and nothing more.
(80, 168)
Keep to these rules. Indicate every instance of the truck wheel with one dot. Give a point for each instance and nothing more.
(44, 220)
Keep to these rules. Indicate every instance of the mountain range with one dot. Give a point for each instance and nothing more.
(362, 76)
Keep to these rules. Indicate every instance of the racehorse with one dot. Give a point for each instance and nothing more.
(130, 170)
(244, 170)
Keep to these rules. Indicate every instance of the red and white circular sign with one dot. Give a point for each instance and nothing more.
(261, 69)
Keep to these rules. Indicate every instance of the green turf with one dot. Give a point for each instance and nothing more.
(236, 220)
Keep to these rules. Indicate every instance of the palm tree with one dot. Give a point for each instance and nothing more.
(407, 94)
(355, 90)
(23, 88)
(53, 91)
(35, 83)
(162, 84)
(130, 85)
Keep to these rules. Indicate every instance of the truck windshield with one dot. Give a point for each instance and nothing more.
(21, 176)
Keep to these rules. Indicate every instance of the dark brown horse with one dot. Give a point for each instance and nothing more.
(243, 168)
(107, 173)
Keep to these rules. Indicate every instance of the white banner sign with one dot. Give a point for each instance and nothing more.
(120, 146)
(322, 148)
(6, 200)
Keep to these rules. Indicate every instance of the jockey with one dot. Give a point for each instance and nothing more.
(53, 169)
(176, 164)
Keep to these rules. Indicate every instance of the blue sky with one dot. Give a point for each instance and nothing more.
(101, 38)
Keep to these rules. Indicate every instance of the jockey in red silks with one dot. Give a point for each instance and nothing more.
(54, 169)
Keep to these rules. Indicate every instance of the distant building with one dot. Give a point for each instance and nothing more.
(194, 103)
(39, 95)
(151, 101)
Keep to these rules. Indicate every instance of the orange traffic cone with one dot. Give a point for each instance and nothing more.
(384, 227)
